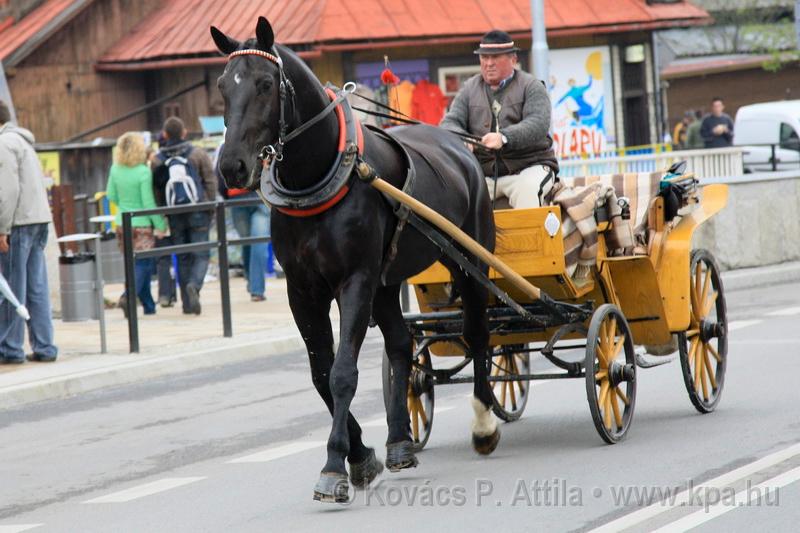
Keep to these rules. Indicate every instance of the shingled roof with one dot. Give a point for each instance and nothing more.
(316, 26)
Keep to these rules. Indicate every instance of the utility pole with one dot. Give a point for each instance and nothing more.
(539, 50)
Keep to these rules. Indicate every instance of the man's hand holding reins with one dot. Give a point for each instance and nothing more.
(493, 140)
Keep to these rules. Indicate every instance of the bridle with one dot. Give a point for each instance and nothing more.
(333, 186)
(286, 89)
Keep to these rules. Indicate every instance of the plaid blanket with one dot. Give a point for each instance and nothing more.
(579, 197)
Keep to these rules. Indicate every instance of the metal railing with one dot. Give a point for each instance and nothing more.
(221, 244)
(708, 163)
(774, 159)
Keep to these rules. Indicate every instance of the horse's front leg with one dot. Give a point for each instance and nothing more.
(355, 302)
(312, 317)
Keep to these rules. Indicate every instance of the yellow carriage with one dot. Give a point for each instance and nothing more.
(661, 296)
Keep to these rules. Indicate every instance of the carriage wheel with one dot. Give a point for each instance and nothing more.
(610, 373)
(420, 397)
(704, 346)
(510, 397)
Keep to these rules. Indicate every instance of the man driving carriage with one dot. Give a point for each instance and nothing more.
(510, 110)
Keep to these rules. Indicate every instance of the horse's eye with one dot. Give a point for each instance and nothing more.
(265, 83)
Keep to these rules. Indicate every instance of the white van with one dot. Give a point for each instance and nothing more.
(770, 123)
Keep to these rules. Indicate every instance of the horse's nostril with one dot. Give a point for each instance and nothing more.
(242, 170)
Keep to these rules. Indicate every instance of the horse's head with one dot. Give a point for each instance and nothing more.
(250, 89)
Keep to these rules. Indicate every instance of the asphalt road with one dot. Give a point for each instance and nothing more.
(239, 448)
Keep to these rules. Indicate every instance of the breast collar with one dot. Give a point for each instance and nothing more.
(334, 186)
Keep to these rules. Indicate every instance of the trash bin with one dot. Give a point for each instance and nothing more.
(78, 297)
(112, 262)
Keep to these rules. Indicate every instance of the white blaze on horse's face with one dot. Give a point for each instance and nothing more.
(237, 78)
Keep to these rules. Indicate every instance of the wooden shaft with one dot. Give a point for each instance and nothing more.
(463, 239)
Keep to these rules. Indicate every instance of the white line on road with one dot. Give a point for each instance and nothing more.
(741, 499)
(681, 499)
(17, 528)
(739, 324)
(147, 489)
(279, 452)
(789, 311)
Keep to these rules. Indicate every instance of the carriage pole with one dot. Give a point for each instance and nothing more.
(367, 174)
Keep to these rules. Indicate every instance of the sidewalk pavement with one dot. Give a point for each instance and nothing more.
(171, 342)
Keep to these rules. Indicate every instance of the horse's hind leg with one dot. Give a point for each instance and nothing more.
(355, 299)
(387, 313)
(312, 318)
(485, 431)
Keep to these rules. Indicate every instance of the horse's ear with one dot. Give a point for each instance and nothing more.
(264, 34)
(225, 44)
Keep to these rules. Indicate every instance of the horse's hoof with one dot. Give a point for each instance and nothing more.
(362, 474)
(486, 444)
(400, 455)
(332, 487)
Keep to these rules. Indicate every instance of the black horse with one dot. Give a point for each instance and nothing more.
(340, 252)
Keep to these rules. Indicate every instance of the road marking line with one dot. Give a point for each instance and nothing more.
(740, 500)
(17, 528)
(739, 324)
(147, 489)
(789, 311)
(279, 452)
(683, 497)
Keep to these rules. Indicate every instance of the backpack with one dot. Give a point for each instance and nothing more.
(183, 185)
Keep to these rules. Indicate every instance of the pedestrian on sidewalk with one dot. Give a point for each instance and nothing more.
(24, 219)
(249, 221)
(717, 127)
(167, 295)
(130, 186)
(186, 176)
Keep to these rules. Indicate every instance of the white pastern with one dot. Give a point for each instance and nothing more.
(485, 423)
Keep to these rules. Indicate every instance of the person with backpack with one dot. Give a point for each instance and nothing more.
(185, 175)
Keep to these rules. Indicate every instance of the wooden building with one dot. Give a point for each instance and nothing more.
(98, 64)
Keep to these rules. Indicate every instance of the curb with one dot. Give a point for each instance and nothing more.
(137, 368)
(750, 278)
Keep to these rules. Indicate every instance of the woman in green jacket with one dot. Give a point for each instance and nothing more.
(130, 186)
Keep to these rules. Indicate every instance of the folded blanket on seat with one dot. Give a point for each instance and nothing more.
(579, 226)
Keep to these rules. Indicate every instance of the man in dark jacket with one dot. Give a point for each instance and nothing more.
(24, 219)
(510, 110)
(717, 128)
(187, 227)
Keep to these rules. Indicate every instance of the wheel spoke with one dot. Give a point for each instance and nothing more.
(618, 347)
(421, 411)
(710, 303)
(706, 287)
(697, 370)
(503, 389)
(714, 352)
(692, 349)
(692, 332)
(615, 407)
(412, 411)
(604, 386)
(520, 385)
(702, 370)
(622, 396)
(600, 375)
(602, 357)
(709, 371)
(513, 395)
(607, 412)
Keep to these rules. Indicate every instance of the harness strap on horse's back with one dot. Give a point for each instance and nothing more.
(401, 211)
